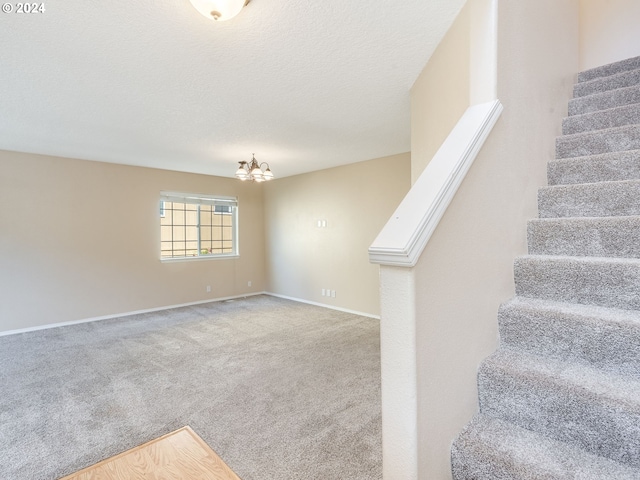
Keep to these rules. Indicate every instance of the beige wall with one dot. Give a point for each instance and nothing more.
(355, 201)
(609, 31)
(95, 250)
(440, 95)
(80, 240)
(466, 270)
(461, 72)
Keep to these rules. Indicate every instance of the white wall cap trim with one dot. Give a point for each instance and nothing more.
(404, 237)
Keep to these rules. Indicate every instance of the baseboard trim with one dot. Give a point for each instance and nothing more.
(125, 314)
(317, 304)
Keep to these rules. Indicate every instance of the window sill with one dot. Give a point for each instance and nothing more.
(198, 259)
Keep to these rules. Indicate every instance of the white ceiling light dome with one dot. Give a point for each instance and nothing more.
(219, 10)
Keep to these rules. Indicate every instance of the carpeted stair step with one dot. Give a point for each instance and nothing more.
(598, 337)
(611, 118)
(585, 236)
(605, 84)
(616, 139)
(565, 401)
(602, 199)
(595, 168)
(606, 282)
(605, 100)
(561, 396)
(609, 69)
(491, 449)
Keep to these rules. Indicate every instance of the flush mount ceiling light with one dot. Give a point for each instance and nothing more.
(219, 10)
(253, 171)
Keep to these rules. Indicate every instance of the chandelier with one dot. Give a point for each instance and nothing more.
(253, 171)
(219, 10)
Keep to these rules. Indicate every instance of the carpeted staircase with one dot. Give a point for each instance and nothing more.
(560, 398)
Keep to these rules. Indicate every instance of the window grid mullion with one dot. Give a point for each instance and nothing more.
(176, 233)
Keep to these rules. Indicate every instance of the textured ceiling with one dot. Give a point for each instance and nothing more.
(305, 85)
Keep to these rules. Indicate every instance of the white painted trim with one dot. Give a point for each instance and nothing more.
(125, 314)
(168, 307)
(399, 373)
(332, 307)
(199, 258)
(404, 237)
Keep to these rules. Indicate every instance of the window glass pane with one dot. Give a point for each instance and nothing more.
(194, 229)
(177, 216)
(191, 218)
(223, 208)
(178, 233)
(205, 218)
(166, 249)
(165, 233)
(191, 233)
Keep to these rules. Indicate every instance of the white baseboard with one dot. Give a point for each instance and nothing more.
(332, 307)
(125, 314)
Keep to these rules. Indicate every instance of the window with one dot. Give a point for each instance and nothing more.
(193, 226)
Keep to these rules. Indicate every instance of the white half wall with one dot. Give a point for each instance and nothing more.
(466, 269)
(449, 322)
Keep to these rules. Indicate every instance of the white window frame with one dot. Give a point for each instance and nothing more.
(198, 199)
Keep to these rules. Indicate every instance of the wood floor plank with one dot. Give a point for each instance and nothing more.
(179, 455)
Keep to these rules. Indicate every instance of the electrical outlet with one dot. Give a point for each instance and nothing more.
(333, 293)
(324, 292)
(208, 288)
(249, 283)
